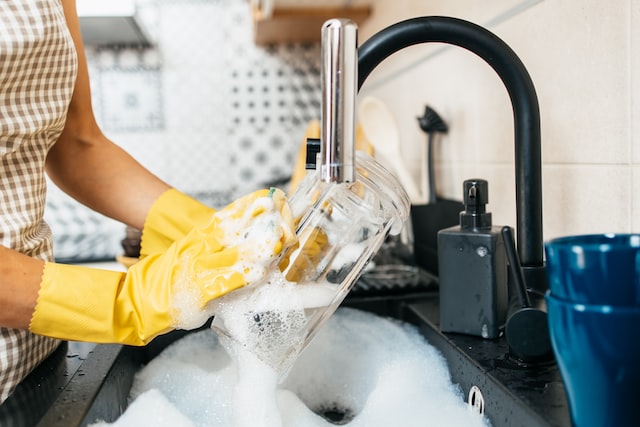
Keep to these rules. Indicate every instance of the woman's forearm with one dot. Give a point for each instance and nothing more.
(87, 165)
(20, 278)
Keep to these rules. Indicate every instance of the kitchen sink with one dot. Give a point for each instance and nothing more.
(93, 383)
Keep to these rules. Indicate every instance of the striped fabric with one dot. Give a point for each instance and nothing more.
(38, 66)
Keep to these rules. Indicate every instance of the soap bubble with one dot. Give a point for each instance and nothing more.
(361, 370)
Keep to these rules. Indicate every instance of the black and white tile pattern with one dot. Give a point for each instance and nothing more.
(204, 108)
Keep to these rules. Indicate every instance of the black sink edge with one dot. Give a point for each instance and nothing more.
(513, 395)
(100, 388)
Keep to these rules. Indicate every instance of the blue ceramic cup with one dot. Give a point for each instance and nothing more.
(598, 352)
(595, 269)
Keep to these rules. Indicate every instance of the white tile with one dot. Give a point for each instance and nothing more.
(586, 199)
(578, 56)
(582, 83)
(635, 199)
(148, 148)
(191, 32)
(635, 80)
(134, 101)
(195, 99)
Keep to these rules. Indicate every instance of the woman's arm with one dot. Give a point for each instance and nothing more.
(20, 277)
(91, 168)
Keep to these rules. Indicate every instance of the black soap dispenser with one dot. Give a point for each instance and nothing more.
(473, 269)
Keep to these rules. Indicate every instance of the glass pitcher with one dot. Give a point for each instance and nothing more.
(340, 227)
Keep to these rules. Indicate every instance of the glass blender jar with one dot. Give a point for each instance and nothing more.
(343, 210)
(340, 227)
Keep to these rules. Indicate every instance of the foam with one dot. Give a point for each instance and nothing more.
(272, 320)
(379, 371)
(152, 408)
(254, 237)
(371, 371)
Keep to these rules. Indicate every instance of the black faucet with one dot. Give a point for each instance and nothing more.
(526, 327)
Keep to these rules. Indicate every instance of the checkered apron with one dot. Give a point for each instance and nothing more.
(38, 66)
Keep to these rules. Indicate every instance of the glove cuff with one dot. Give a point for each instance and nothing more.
(170, 218)
(87, 304)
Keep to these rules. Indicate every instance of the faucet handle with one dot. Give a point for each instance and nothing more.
(313, 149)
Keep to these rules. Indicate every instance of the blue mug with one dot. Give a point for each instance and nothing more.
(597, 348)
(595, 269)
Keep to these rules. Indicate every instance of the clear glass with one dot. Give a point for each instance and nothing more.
(340, 227)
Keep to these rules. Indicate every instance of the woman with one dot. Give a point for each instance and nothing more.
(46, 123)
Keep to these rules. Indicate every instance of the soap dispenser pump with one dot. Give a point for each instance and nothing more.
(473, 269)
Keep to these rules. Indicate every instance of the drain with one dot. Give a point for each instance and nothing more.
(335, 414)
(476, 400)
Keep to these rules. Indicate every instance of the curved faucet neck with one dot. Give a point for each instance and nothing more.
(523, 99)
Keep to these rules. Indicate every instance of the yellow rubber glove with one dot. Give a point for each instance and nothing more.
(238, 247)
(170, 218)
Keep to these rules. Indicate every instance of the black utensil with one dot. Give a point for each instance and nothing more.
(438, 213)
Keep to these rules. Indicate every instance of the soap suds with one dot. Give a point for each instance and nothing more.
(361, 370)
(254, 238)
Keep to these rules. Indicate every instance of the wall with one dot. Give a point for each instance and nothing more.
(217, 116)
(583, 58)
(204, 108)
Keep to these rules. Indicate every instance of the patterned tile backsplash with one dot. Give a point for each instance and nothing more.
(204, 108)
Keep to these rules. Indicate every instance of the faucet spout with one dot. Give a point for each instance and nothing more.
(526, 326)
(339, 75)
(523, 99)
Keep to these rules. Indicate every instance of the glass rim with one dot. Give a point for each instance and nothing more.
(597, 241)
(592, 308)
